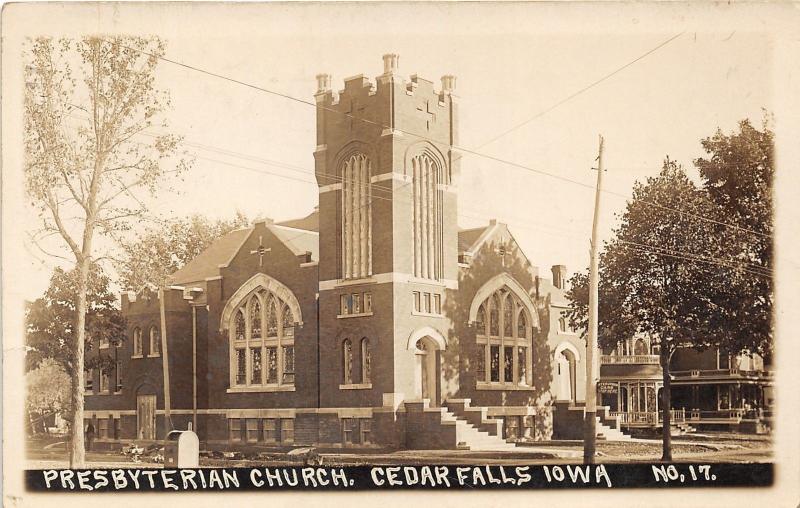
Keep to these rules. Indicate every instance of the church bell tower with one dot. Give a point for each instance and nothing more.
(385, 165)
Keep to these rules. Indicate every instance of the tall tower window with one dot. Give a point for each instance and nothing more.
(356, 217)
(427, 217)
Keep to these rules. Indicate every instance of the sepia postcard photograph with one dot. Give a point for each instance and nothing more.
(464, 253)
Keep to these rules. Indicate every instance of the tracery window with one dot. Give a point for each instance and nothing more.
(347, 361)
(356, 217)
(504, 337)
(426, 216)
(365, 361)
(155, 342)
(262, 344)
(137, 342)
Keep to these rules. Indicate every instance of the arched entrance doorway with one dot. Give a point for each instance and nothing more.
(427, 344)
(427, 356)
(566, 374)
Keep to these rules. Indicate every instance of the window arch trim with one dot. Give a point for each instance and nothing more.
(494, 284)
(267, 283)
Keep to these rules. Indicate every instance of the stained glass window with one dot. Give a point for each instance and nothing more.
(263, 351)
(255, 318)
(272, 365)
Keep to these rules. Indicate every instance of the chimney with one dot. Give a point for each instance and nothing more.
(559, 276)
(448, 84)
(391, 61)
(323, 83)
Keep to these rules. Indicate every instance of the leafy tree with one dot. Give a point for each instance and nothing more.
(86, 101)
(738, 175)
(158, 252)
(51, 330)
(656, 272)
(47, 391)
(51, 321)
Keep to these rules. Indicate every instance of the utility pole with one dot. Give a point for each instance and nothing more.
(590, 424)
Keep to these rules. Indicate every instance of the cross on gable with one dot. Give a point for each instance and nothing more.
(427, 114)
(354, 112)
(261, 250)
(502, 250)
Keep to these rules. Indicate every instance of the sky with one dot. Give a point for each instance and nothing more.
(513, 66)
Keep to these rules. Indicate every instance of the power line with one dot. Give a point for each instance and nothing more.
(458, 148)
(577, 93)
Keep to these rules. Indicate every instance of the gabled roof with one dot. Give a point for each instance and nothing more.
(310, 222)
(299, 241)
(469, 237)
(206, 264)
(299, 236)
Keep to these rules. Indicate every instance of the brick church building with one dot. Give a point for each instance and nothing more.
(374, 321)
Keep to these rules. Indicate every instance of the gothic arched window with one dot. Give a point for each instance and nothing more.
(347, 362)
(356, 212)
(239, 326)
(255, 317)
(155, 342)
(504, 358)
(137, 342)
(262, 353)
(494, 315)
(271, 313)
(365, 361)
(426, 216)
(480, 320)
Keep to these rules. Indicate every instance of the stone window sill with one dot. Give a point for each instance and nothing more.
(157, 355)
(136, 356)
(359, 386)
(257, 389)
(353, 282)
(425, 314)
(104, 346)
(360, 314)
(482, 385)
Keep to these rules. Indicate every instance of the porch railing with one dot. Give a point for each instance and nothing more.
(722, 414)
(629, 359)
(648, 417)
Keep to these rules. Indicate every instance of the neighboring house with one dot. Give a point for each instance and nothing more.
(710, 390)
(373, 321)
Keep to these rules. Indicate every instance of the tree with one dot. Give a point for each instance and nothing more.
(51, 332)
(659, 274)
(157, 252)
(86, 104)
(47, 391)
(738, 177)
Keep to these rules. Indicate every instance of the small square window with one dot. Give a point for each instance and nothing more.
(252, 430)
(270, 430)
(357, 303)
(287, 430)
(102, 428)
(428, 303)
(367, 302)
(366, 429)
(416, 301)
(437, 303)
(348, 426)
(235, 428)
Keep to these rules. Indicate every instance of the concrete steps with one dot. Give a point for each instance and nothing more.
(470, 438)
(606, 433)
(474, 429)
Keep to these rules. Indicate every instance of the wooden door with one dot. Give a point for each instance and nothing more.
(146, 417)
